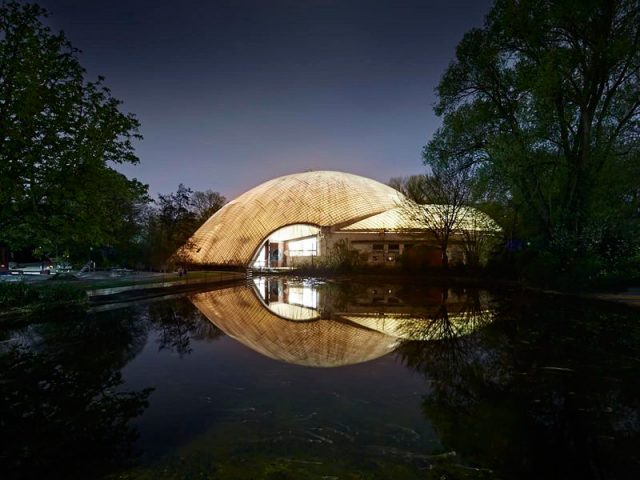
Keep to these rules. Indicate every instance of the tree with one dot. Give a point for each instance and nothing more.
(60, 137)
(171, 223)
(174, 218)
(411, 187)
(206, 204)
(544, 103)
(445, 194)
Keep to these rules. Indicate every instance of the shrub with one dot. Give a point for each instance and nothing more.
(21, 294)
(342, 258)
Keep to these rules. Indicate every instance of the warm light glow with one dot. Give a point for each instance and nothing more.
(304, 295)
(234, 234)
(290, 212)
(303, 248)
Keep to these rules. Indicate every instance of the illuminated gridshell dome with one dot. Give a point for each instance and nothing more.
(323, 199)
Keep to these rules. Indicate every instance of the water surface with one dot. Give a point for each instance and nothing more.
(289, 378)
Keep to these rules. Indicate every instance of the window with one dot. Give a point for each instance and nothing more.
(394, 247)
(306, 247)
(378, 246)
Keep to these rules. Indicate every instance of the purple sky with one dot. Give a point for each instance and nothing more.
(233, 93)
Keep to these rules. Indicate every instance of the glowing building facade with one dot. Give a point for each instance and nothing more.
(299, 218)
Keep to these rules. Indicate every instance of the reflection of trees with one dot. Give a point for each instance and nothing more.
(178, 322)
(62, 413)
(450, 328)
(336, 297)
(437, 327)
(451, 321)
(549, 393)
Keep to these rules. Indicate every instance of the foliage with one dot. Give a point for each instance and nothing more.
(59, 138)
(172, 224)
(206, 204)
(173, 218)
(39, 297)
(343, 258)
(543, 106)
(445, 191)
(411, 187)
(538, 389)
(478, 245)
(178, 323)
(66, 411)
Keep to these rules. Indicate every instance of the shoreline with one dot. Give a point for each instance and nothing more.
(127, 292)
(629, 298)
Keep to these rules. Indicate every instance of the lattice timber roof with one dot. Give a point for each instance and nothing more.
(324, 199)
(411, 217)
(339, 201)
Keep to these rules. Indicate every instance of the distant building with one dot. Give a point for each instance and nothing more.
(301, 218)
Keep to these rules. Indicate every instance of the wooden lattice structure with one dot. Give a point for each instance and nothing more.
(337, 204)
(322, 198)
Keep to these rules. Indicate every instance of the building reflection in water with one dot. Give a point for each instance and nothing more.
(321, 324)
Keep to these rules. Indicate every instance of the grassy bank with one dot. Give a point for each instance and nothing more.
(68, 293)
(145, 279)
(25, 298)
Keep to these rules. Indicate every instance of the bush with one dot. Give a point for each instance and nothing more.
(589, 271)
(342, 258)
(21, 294)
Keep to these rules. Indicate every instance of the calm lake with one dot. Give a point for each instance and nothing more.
(285, 378)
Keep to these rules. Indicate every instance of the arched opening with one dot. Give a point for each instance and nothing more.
(288, 247)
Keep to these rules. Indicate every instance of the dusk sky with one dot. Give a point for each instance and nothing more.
(233, 93)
